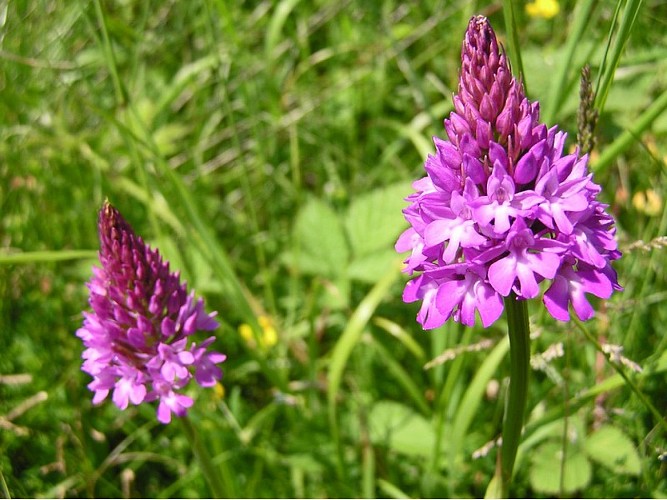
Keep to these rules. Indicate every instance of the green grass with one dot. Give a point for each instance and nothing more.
(265, 149)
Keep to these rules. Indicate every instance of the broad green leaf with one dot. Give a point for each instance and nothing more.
(545, 470)
(319, 234)
(304, 262)
(374, 220)
(336, 294)
(372, 267)
(548, 431)
(401, 429)
(610, 447)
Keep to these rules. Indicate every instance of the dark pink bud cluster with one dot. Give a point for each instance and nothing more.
(136, 337)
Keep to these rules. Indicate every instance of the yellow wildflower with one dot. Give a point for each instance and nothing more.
(245, 330)
(543, 8)
(269, 336)
(649, 202)
(219, 391)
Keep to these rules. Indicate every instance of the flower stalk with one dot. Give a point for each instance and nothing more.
(515, 405)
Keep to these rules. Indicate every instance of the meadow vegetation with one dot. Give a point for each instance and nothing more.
(265, 148)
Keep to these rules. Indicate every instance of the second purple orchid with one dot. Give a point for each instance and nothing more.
(501, 208)
(137, 335)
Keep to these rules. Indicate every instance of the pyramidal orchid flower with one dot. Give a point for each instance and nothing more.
(137, 337)
(501, 208)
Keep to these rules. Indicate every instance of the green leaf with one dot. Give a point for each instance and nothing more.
(401, 429)
(610, 447)
(374, 220)
(545, 470)
(372, 267)
(322, 245)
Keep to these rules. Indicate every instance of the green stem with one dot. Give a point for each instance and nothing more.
(209, 470)
(519, 336)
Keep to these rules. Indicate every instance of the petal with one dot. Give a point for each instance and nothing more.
(502, 274)
(186, 357)
(489, 303)
(163, 413)
(437, 232)
(168, 327)
(580, 304)
(429, 315)
(556, 298)
(545, 264)
(526, 169)
(529, 288)
(449, 296)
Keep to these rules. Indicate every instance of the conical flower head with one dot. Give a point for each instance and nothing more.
(501, 208)
(136, 337)
(485, 81)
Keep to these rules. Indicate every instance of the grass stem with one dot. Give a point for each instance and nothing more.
(213, 476)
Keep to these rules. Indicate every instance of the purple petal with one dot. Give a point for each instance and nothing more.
(556, 299)
(502, 274)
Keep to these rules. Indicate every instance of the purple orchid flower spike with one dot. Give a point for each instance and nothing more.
(136, 336)
(501, 209)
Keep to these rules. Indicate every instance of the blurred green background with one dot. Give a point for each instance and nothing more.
(265, 148)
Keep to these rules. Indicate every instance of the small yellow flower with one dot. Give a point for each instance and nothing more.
(219, 391)
(649, 202)
(269, 336)
(543, 8)
(245, 331)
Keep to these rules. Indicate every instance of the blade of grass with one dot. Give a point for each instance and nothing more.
(280, 15)
(512, 28)
(5, 488)
(576, 402)
(445, 400)
(122, 101)
(629, 382)
(348, 340)
(403, 378)
(397, 331)
(368, 469)
(630, 135)
(46, 256)
(391, 490)
(616, 50)
(473, 397)
(581, 16)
